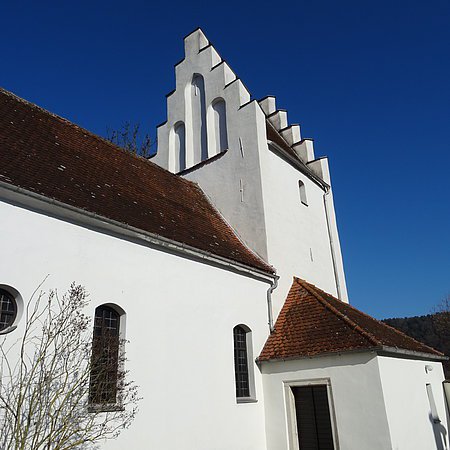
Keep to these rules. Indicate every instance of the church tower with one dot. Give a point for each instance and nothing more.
(255, 168)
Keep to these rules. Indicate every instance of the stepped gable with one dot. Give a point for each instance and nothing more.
(288, 137)
(274, 136)
(313, 322)
(48, 155)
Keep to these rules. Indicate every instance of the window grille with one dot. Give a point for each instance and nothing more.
(241, 362)
(105, 357)
(8, 309)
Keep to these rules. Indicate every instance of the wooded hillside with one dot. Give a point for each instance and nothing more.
(432, 330)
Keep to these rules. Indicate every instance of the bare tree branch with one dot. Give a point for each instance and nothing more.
(128, 137)
(46, 377)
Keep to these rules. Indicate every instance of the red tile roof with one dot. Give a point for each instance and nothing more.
(48, 155)
(313, 322)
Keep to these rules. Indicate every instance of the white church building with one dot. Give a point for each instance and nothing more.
(221, 257)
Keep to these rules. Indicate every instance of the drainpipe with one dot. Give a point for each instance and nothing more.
(330, 238)
(272, 287)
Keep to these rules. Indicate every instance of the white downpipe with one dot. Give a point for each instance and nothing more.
(272, 287)
(330, 238)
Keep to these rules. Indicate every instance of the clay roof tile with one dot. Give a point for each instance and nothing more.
(48, 155)
(313, 322)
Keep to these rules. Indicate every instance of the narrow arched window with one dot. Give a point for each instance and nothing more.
(242, 362)
(220, 125)
(302, 191)
(198, 101)
(180, 145)
(105, 356)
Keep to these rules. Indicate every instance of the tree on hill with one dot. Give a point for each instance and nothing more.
(49, 376)
(422, 328)
(442, 324)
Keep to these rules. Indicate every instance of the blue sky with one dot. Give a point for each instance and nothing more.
(369, 81)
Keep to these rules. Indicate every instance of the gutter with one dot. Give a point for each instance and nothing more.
(269, 302)
(79, 216)
(299, 165)
(381, 350)
(385, 350)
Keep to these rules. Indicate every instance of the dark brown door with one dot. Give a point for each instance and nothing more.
(313, 418)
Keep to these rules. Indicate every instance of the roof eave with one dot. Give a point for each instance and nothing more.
(381, 350)
(299, 165)
(316, 355)
(80, 216)
(385, 350)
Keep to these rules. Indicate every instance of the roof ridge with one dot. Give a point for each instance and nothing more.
(221, 240)
(349, 322)
(314, 288)
(408, 336)
(315, 323)
(61, 118)
(86, 131)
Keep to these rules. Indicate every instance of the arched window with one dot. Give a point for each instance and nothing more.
(220, 125)
(302, 190)
(198, 100)
(243, 366)
(8, 310)
(180, 145)
(105, 356)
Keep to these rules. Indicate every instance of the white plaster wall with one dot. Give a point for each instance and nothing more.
(180, 316)
(255, 190)
(231, 180)
(220, 82)
(357, 397)
(333, 229)
(297, 235)
(408, 409)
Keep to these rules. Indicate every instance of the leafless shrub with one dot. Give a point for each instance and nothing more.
(46, 390)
